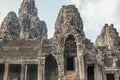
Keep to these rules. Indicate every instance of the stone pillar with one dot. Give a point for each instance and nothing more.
(26, 72)
(116, 76)
(98, 72)
(22, 76)
(6, 71)
(39, 72)
(103, 73)
(81, 65)
(76, 65)
(81, 68)
(86, 66)
(43, 72)
(60, 71)
(41, 68)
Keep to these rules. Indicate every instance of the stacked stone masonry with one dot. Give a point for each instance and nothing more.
(27, 54)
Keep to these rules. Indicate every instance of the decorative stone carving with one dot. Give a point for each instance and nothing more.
(10, 28)
(68, 20)
(31, 26)
(109, 37)
(114, 62)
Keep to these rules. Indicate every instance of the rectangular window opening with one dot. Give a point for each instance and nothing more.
(32, 71)
(90, 72)
(70, 64)
(110, 76)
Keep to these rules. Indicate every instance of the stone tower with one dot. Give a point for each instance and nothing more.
(109, 37)
(31, 26)
(10, 28)
(70, 37)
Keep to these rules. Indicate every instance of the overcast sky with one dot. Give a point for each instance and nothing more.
(95, 13)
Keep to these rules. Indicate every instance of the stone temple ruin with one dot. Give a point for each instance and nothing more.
(27, 54)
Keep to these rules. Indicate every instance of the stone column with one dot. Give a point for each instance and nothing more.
(103, 73)
(43, 72)
(116, 76)
(76, 65)
(42, 68)
(26, 72)
(6, 71)
(60, 71)
(81, 68)
(81, 65)
(39, 72)
(22, 76)
(98, 72)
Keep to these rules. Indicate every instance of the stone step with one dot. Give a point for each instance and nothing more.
(75, 78)
(71, 76)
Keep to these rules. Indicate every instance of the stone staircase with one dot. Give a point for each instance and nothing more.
(71, 75)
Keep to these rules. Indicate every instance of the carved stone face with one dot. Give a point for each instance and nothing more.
(68, 18)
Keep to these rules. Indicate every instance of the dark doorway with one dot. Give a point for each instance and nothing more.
(90, 72)
(32, 70)
(51, 68)
(70, 46)
(70, 53)
(110, 76)
(14, 71)
(70, 63)
(1, 71)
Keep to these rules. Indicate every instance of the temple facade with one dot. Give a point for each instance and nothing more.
(27, 54)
